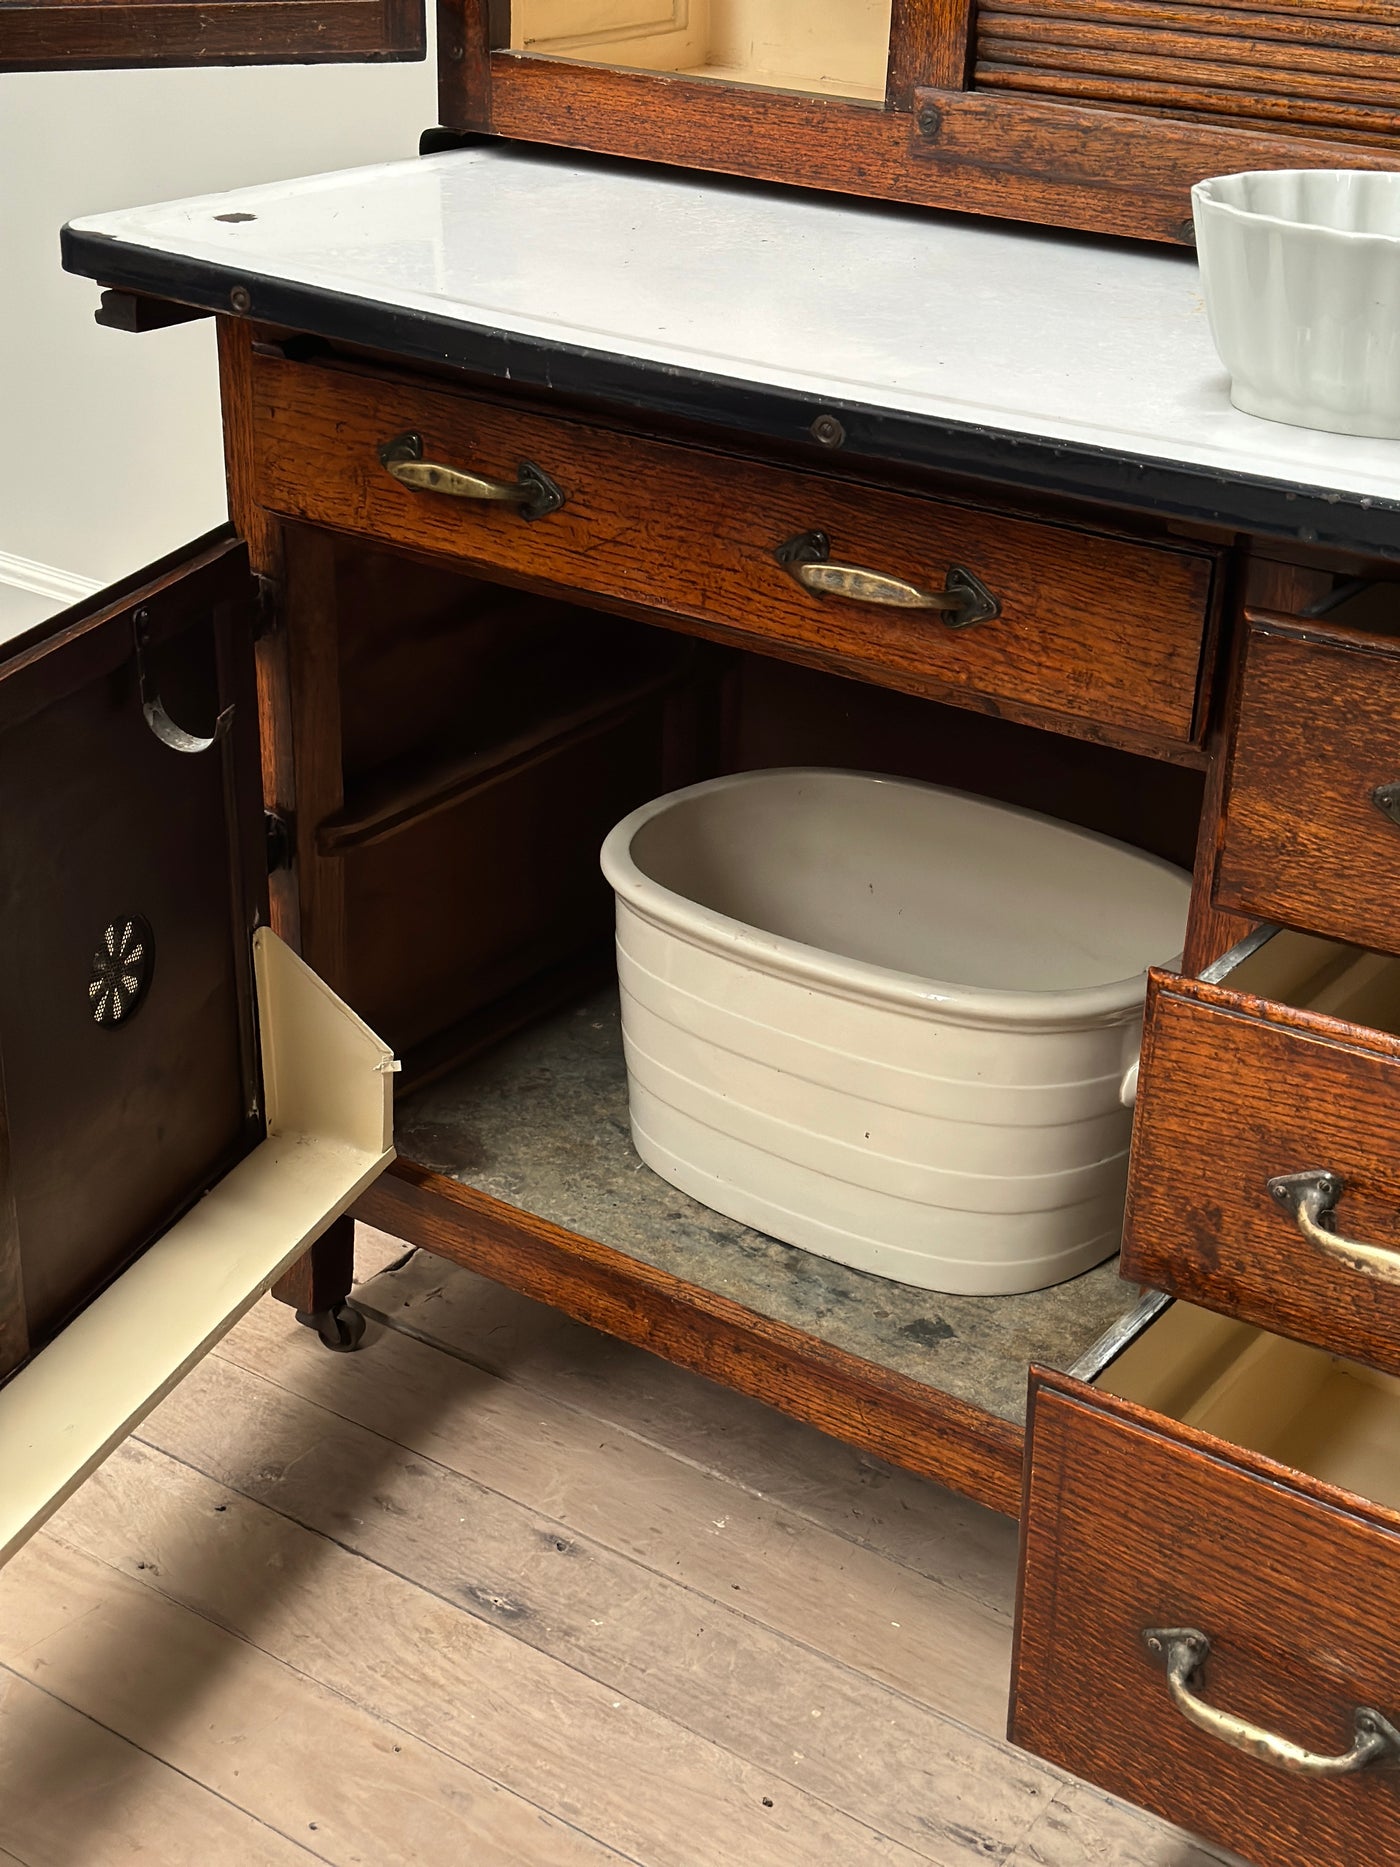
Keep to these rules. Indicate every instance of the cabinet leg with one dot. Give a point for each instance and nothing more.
(318, 1283)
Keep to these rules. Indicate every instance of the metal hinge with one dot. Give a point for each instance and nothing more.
(280, 842)
(266, 613)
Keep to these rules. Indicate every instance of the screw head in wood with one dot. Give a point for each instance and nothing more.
(241, 298)
(828, 430)
(930, 121)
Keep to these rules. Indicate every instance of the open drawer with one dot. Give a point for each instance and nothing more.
(186, 1107)
(1312, 821)
(1266, 1142)
(1210, 1588)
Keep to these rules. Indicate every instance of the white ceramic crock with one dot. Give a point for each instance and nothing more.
(894, 1024)
(1301, 270)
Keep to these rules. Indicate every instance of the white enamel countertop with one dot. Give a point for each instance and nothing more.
(1098, 344)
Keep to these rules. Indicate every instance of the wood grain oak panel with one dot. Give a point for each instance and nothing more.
(1133, 1522)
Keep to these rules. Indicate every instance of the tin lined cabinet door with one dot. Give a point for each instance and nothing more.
(183, 1105)
(62, 35)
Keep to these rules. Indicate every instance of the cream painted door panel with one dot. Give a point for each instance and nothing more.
(184, 1106)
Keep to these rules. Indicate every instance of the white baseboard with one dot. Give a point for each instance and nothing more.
(62, 586)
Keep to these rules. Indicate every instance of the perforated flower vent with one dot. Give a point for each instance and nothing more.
(121, 971)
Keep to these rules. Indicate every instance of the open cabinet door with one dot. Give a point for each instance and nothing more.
(184, 1106)
(57, 35)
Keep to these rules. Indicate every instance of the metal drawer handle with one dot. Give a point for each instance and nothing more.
(963, 600)
(1183, 1652)
(532, 492)
(1311, 1199)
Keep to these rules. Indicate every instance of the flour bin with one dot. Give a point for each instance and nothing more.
(891, 1023)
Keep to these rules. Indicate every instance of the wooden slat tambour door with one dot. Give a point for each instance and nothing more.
(1330, 67)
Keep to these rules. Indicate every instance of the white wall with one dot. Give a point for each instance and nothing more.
(109, 443)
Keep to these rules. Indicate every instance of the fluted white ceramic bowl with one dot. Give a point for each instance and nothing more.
(1301, 269)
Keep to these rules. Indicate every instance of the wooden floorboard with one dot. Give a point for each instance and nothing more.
(498, 1591)
(814, 1725)
(833, 1484)
(725, 1544)
(73, 1792)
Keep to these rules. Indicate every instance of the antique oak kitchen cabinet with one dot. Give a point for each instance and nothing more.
(532, 447)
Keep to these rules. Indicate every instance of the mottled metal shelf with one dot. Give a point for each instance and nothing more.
(541, 1123)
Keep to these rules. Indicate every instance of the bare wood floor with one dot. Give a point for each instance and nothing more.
(497, 1592)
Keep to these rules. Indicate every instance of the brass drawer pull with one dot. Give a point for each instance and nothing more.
(963, 600)
(1183, 1652)
(532, 493)
(1311, 1200)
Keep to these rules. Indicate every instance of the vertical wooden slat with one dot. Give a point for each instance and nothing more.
(312, 652)
(254, 526)
(1210, 930)
(264, 540)
(323, 1276)
(303, 713)
(14, 1328)
(468, 30)
(929, 42)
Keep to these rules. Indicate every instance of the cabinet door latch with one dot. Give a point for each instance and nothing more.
(265, 612)
(280, 842)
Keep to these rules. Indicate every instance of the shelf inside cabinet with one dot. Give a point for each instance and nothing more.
(566, 703)
(837, 48)
(540, 1124)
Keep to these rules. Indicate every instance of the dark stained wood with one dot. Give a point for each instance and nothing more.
(1135, 166)
(1236, 1089)
(1104, 631)
(1221, 92)
(467, 33)
(299, 706)
(135, 313)
(928, 45)
(543, 994)
(1121, 171)
(254, 526)
(113, 1130)
(779, 714)
(572, 704)
(323, 1276)
(459, 907)
(488, 740)
(14, 1324)
(1134, 1522)
(1209, 931)
(309, 640)
(52, 35)
(1319, 730)
(1263, 69)
(1212, 929)
(882, 1412)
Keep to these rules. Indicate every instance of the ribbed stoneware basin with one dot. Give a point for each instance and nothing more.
(887, 1022)
(1301, 269)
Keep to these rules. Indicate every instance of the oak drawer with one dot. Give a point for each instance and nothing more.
(1176, 1503)
(1307, 840)
(1283, 1060)
(1102, 631)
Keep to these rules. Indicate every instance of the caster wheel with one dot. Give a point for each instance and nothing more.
(341, 1328)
